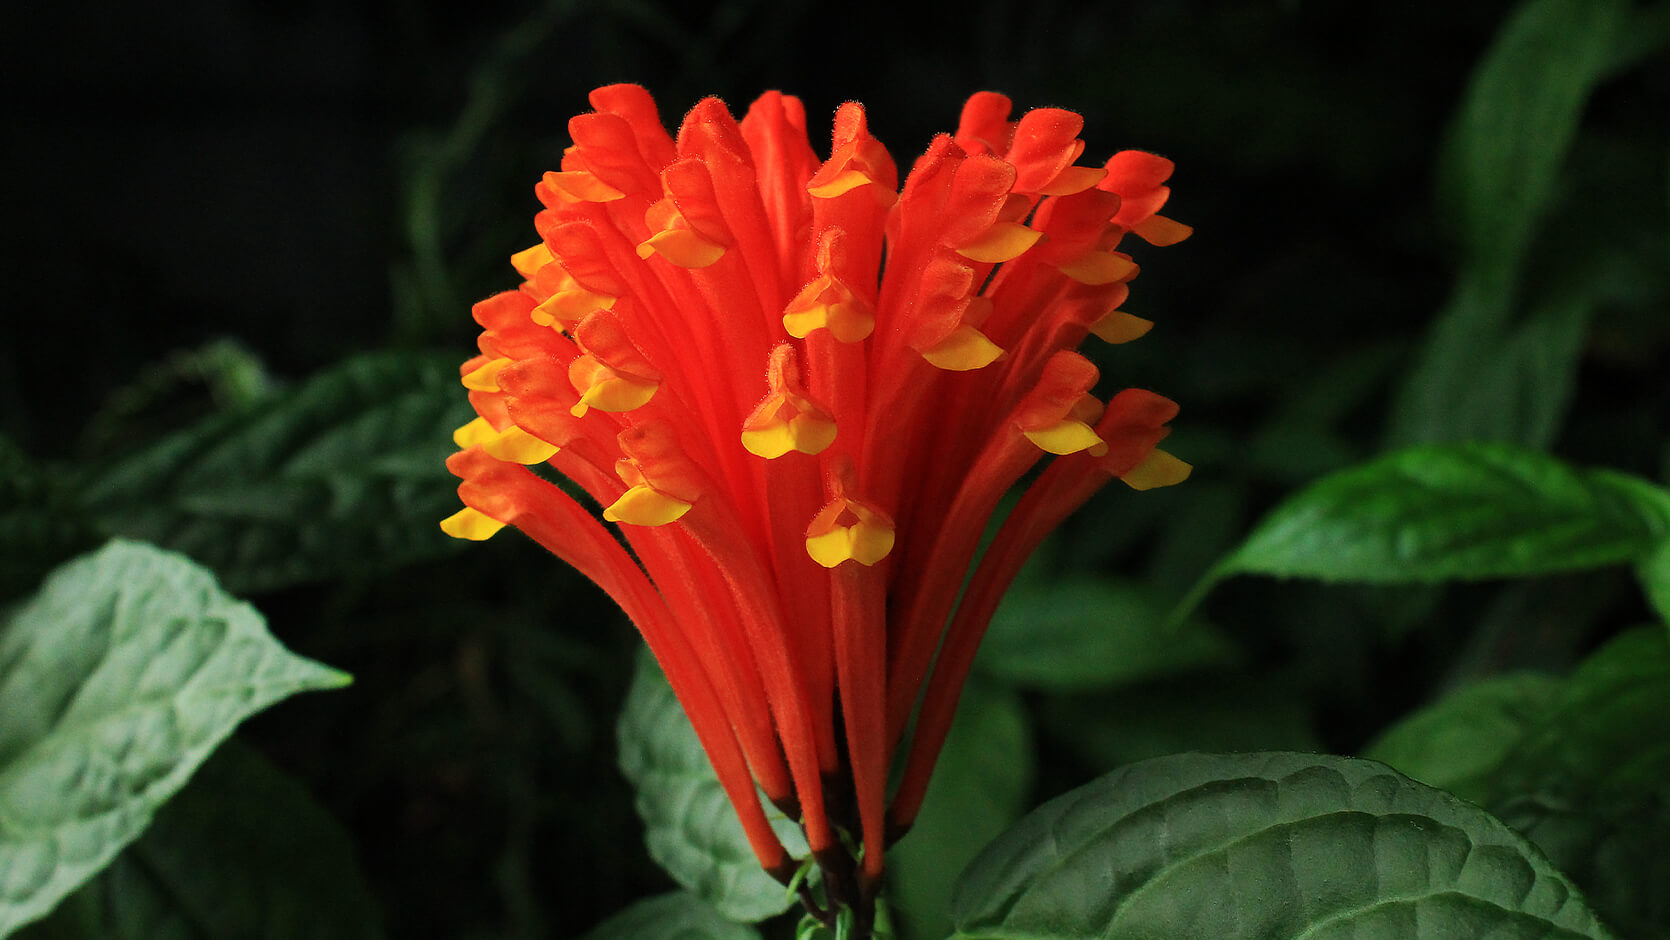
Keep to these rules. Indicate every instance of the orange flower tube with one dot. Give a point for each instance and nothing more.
(798, 391)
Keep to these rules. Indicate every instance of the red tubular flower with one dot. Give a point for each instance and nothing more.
(799, 392)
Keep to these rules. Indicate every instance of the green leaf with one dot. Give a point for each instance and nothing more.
(242, 853)
(1590, 781)
(979, 787)
(1654, 573)
(1518, 119)
(1088, 633)
(1465, 511)
(1479, 375)
(1263, 846)
(116, 681)
(674, 916)
(343, 474)
(39, 524)
(1207, 712)
(1457, 743)
(1580, 765)
(690, 827)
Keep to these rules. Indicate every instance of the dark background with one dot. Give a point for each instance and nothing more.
(280, 185)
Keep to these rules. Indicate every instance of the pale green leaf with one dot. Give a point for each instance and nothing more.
(116, 681)
(242, 853)
(689, 824)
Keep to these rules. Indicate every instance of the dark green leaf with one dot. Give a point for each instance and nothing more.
(1457, 743)
(1645, 35)
(1580, 765)
(116, 681)
(343, 474)
(979, 787)
(1518, 119)
(1206, 712)
(690, 827)
(1263, 846)
(39, 524)
(242, 852)
(1088, 633)
(674, 916)
(1479, 376)
(1443, 512)
(1654, 574)
(1590, 781)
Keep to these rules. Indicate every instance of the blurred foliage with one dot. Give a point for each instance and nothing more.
(232, 333)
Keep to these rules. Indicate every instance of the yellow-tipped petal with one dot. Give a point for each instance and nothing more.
(569, 306)
(1065, 437)
(830, 548)
(965, 349)
(844, 182)
(1074, 179)
(486, 378)
(615, 395)
(470, 524)
(1161, 231)
(1099, 267)
(580, 186)
(681, 247)
(769, 442)
(529, 260)
(847, 321)
(518, 446)
(1121, 327)
(476, 432)
(811, 433)
(644, 505)
(863, 542)
(808, 434)
(800, 324)
(1004, 241)
(1159, 468)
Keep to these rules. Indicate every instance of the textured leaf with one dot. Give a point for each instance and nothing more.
(979, 787)
(690, 827)
(1579, 765)
(116, 681)
(1263, 846)
(1090, 633)
(1590, 781)
(1467, 511)
(674, 916)
(242, 852)
(342, 475)
(1457, 743)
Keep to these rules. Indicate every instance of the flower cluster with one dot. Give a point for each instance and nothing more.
(798, 392)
